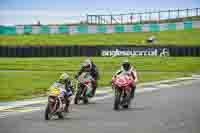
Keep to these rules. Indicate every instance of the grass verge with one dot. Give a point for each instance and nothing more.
(182, 37)
(23, 85)
(23, 78)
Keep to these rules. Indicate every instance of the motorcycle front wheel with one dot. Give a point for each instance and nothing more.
(85, 98)
(127, 102)
(60, 115)
(77, 96)
(117, 99)
(48, 115)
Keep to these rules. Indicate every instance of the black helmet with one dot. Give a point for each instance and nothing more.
(126, 65)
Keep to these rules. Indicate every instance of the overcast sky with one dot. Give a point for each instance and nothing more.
(62, 11)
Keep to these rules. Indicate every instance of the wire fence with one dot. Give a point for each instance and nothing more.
(144, 17)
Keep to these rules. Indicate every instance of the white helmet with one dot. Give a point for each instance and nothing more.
(87, 64)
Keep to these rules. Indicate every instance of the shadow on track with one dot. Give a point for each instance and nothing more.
(135, 109)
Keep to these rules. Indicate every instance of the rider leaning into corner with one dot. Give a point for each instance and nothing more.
(65, 83)
(126, 67)
(89, 66)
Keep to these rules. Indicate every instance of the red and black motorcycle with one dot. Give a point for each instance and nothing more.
(122, 85)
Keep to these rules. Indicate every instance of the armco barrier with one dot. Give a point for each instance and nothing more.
(71, 51)
(93, 29)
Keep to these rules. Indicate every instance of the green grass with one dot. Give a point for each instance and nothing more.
(35, 75)
(182, 37)
(23, 85)
(110, 64)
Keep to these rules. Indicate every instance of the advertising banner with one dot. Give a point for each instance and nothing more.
(140, 51)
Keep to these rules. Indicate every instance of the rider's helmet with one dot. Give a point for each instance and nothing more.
(63, 78)
(126, 65)
(89, 61)
(87, 65)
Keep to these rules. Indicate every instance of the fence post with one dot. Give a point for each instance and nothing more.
(140, 18)
(110, 19)
(103, 19)
(178, 11)
(159, 16)
(90, 19)
(132, 18)
(95, 19)
(168, 15)
(87, 19)
(121, 18)
(187, 12)
(150, 16)
(100, 20)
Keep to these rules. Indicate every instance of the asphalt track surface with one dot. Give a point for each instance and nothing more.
(168, 110)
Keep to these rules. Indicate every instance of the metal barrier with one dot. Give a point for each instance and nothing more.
(93, 29)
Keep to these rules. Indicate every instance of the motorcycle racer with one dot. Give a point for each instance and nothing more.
(127, 68)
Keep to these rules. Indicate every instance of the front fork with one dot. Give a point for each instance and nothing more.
(59, 103)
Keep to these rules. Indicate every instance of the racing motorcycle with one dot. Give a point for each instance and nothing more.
(83, 87)
(57, 103)
(122, 85)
